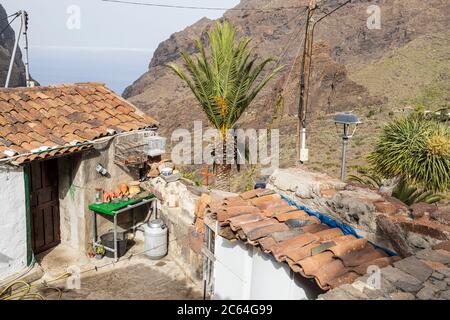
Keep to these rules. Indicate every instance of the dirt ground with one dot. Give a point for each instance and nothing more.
(138, 278)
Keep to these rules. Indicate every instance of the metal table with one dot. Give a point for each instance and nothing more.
(114, 210)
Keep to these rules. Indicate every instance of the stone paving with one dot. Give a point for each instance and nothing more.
(138, 278)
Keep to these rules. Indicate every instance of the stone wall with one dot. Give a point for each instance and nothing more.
(78, 180)
(176, 207)
(13, 228)
(373, 214)
(424, 276)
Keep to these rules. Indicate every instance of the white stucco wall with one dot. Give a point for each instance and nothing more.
(232, 270)
(243, 272)
(13, 229)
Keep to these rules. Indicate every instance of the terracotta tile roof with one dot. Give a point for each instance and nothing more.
(261, 218)
(62, 115)
(424, 276)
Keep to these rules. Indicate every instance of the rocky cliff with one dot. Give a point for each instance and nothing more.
(6, 46)
(344, 46)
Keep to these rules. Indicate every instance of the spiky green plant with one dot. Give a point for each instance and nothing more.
(366, 179)
(225, 82)
(416, 149)
(410, 195)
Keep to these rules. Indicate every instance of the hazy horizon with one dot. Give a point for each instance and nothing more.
(113, 44)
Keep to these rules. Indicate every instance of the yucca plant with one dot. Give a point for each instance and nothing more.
(409, 194)
(225, 81)
(416, 149)
(402, 191)
(370, 180)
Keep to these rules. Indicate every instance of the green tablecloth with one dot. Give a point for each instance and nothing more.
(111, 208)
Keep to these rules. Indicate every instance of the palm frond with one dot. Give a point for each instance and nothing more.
(226, 81)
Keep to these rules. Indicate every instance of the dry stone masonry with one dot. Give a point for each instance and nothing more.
(424, 276)
(373, 214)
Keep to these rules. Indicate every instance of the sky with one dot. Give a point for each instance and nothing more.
(92, 40)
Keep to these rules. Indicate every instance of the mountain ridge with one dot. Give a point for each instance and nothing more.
(7, 39)
(343, 51)
(345, 34)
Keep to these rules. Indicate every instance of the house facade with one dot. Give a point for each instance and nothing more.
(52, 141)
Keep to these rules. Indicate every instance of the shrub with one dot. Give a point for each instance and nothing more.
(416, 149)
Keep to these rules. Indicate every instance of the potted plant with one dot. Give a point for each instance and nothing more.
(99, 252)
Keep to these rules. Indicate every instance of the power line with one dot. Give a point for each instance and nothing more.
(201, 8)
(294, 35)
(396, 26)
(9, 24)
(6, 18)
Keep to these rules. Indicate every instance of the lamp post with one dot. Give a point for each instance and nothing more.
(347, 120)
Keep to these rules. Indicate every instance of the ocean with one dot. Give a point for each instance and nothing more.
(117, 68)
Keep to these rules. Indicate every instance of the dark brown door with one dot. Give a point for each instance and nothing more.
(44, 205)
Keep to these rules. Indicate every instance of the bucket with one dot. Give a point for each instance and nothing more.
(260, 185)
(166, 172)
(108, 241)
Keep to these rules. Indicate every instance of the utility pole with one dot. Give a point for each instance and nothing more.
(25, 35)
(302, 151)
(305, 75)
(13, 56)
(23, 30)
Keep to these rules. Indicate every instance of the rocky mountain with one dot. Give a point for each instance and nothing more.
(6, 46)
(346, 59)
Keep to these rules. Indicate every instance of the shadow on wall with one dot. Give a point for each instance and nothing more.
(312, 290)
(4, 259)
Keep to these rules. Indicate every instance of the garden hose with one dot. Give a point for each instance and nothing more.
(23, 293)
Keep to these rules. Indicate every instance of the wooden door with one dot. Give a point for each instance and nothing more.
(44, 205)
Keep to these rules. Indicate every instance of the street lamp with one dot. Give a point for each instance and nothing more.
(347, 120)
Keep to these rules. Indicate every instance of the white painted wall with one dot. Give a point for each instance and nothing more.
(232, 270)
(272, 280)
(245, 273)
(13, 229)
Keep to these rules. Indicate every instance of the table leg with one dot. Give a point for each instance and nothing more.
(154, 211)
(94, 227)
(115, 239)
(134, 222)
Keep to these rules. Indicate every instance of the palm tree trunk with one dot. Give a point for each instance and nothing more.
(223, 171)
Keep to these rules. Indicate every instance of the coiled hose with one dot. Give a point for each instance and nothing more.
(23, 292)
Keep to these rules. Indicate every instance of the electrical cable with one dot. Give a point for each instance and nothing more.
(201, 8)
(396, 26)
(9, 24)
(310, 53)
(6, 18)
(291, 38)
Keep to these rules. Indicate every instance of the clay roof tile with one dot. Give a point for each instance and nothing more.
(310, 247)
(266, 230)
(248, 227)
(61, 112)
(348, 247)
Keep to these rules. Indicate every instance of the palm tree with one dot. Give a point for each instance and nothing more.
(225, 82)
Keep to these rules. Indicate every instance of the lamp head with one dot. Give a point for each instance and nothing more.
(346, 118)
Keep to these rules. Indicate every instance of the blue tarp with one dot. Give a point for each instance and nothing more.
(347, 230)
